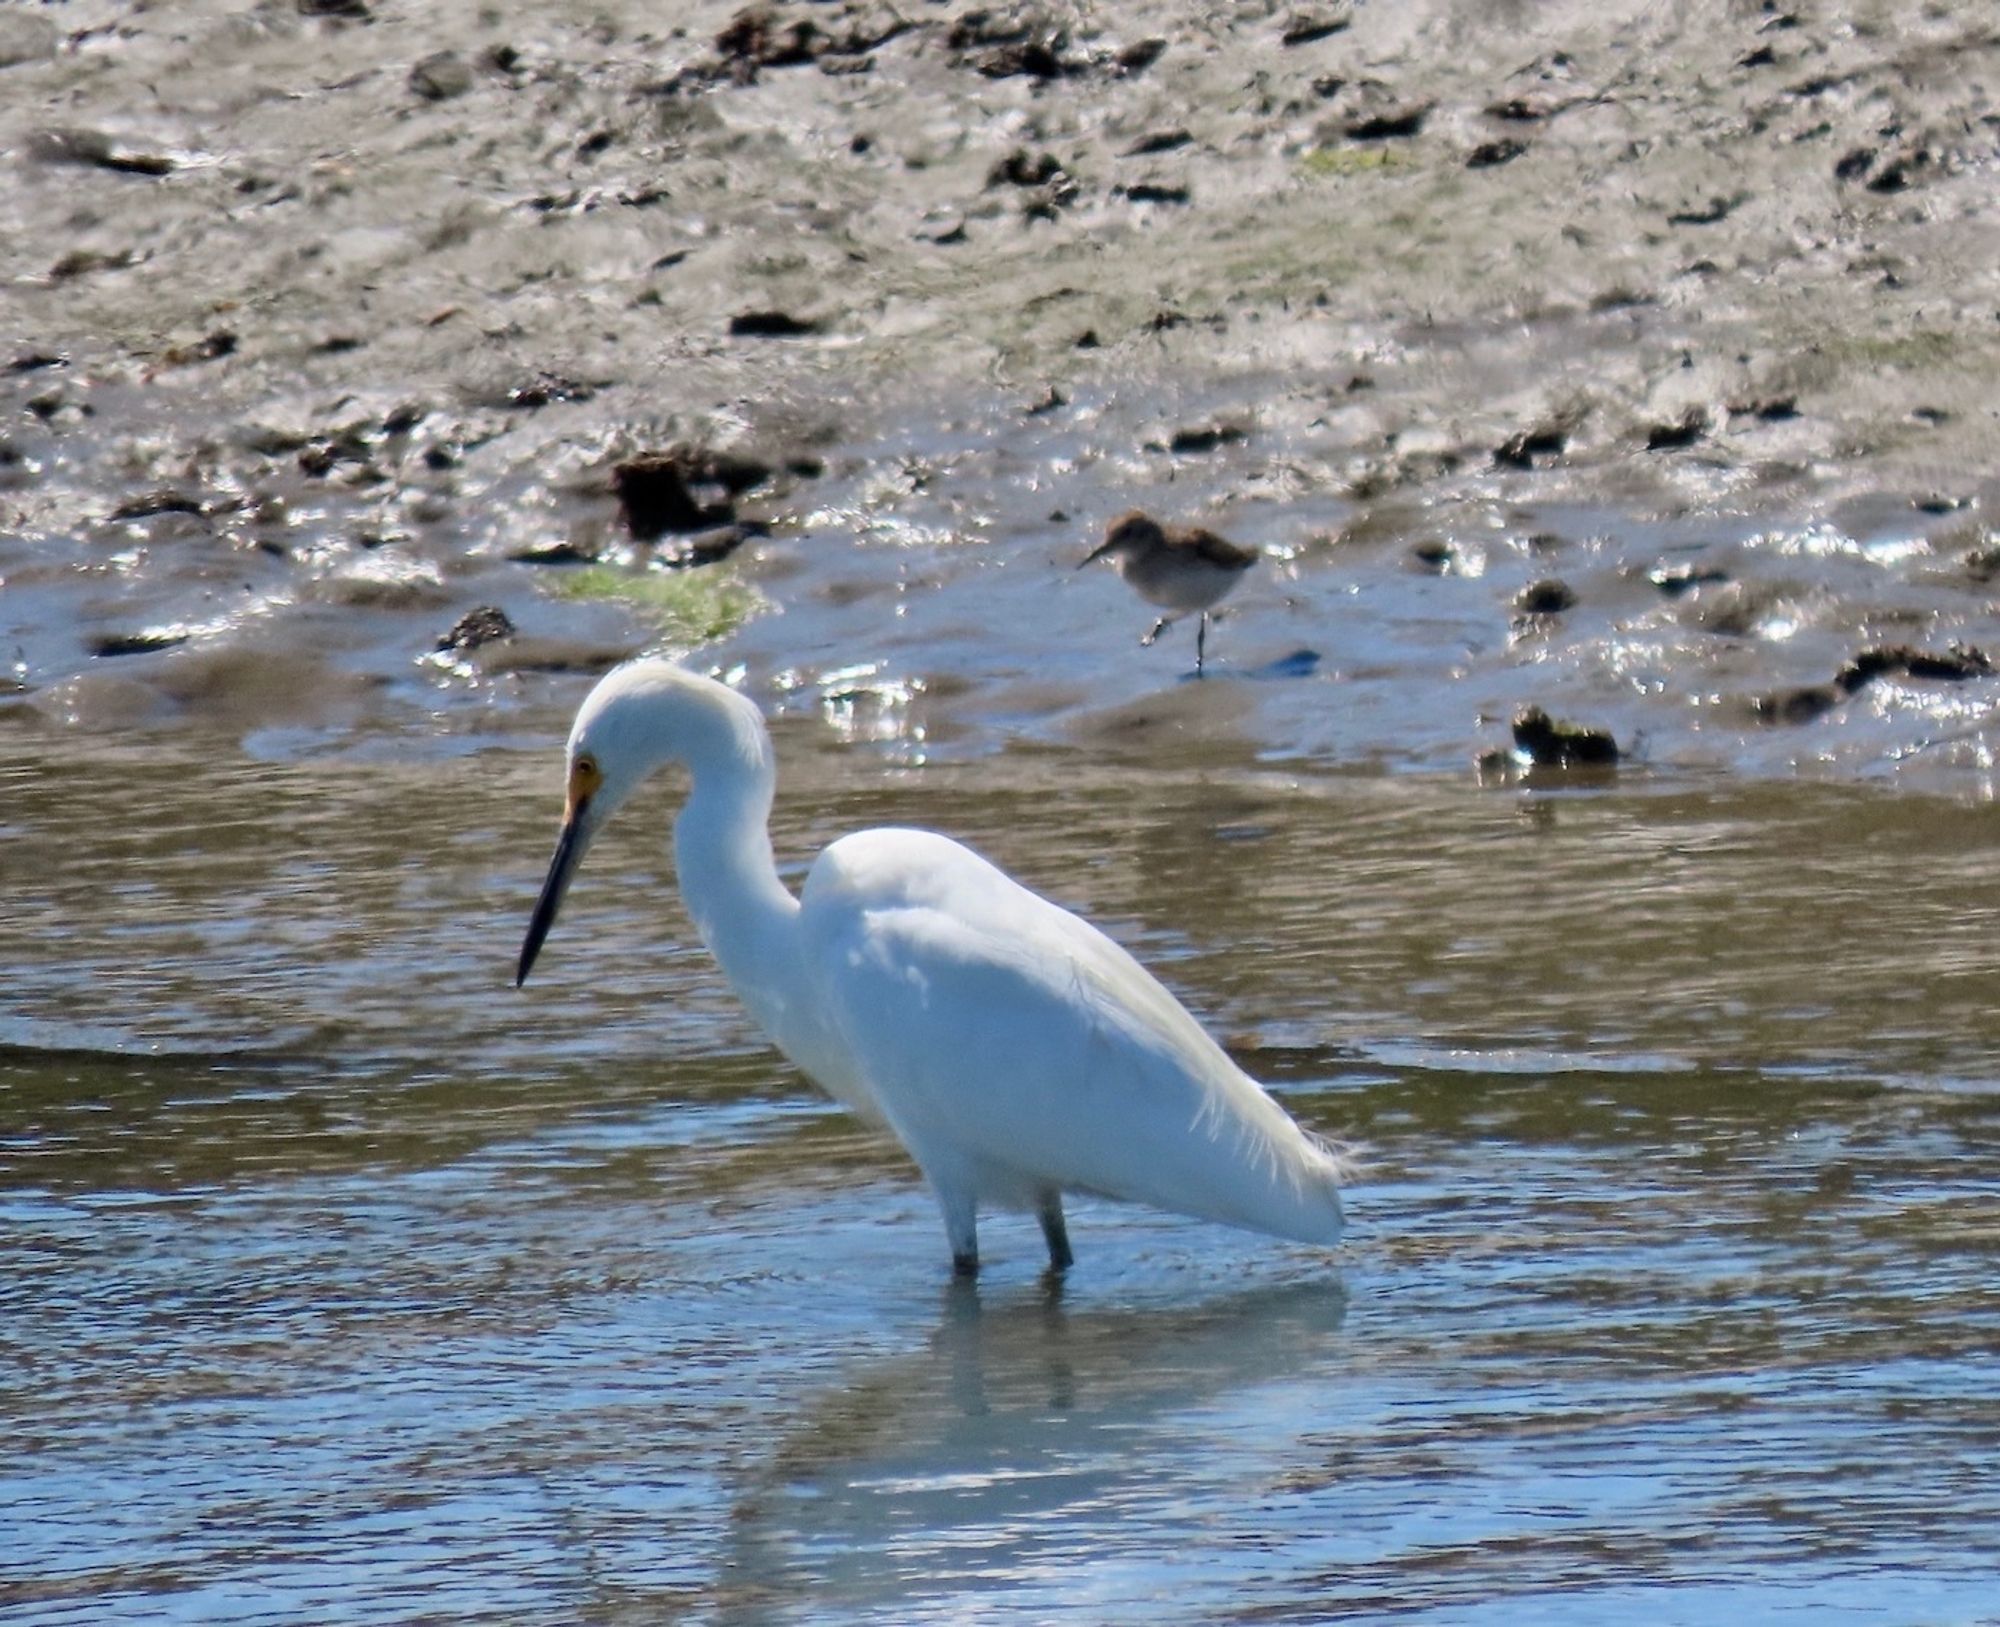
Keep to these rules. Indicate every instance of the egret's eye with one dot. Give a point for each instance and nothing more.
(585, 775)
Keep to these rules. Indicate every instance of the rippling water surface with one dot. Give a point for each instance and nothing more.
(344, 1283)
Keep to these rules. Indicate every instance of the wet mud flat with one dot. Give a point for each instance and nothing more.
(1629, 362)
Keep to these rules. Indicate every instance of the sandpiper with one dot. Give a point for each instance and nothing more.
(1178, 567)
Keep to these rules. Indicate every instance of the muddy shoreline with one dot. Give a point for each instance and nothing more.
(358, 308)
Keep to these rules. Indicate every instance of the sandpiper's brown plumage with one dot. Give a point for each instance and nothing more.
(1181, 568)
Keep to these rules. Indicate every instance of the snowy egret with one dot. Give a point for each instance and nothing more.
(1179, 568)
(1015, 1050)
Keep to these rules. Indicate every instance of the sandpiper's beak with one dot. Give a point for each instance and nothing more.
(1095, 554)
(570, 843)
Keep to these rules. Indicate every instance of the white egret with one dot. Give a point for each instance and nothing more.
(1180, 568)
(1014, 1050)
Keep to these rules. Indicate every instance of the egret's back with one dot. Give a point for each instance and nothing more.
(1017, 1049)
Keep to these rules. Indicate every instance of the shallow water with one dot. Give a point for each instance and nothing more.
(344, 1283)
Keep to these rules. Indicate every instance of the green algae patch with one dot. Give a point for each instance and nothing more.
(694, 605)
(1322, 162)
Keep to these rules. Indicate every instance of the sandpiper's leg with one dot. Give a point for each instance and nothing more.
(1050, 1212)
(1200, 642)
(1159, 627)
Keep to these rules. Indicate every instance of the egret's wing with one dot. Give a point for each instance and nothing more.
(1004, 1033)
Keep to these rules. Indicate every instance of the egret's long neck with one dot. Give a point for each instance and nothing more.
(728, 878)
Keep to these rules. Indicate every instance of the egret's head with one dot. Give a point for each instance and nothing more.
(1125, 536)
(640, 716)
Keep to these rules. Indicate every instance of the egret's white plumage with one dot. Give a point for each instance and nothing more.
(1015, 1050)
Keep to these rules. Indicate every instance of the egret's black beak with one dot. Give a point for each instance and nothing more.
(570, 844)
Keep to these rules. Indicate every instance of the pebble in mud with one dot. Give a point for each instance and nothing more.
(1012, 45)
(1395, 122)
(112, 645)
(1676, 580)
(1954, 665)
(1023, 168)
(771, 36)
(486, 624)
(441, 76)
(166, 500)
(87, 263)
(1492, 154)
(1807, 702)
(1717, 208)
(1801, 704)
(1981, 562)
(1681, 432)
(1154, 192)
(1542, 441)
(99, 150)
(654, 497)
(1769, 409)
(683, 491)
(1739, 608)
(1308, 27)
(211, 347)
(1047, 186)
(1140, 55)
(544, 390)
(1200, 438)
(1548, 597)
(771, 324)
(1547, 743)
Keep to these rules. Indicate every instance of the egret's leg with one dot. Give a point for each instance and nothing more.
(961, 1228)
(1159, 627)
(1200, 641)
(1050, 1212)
